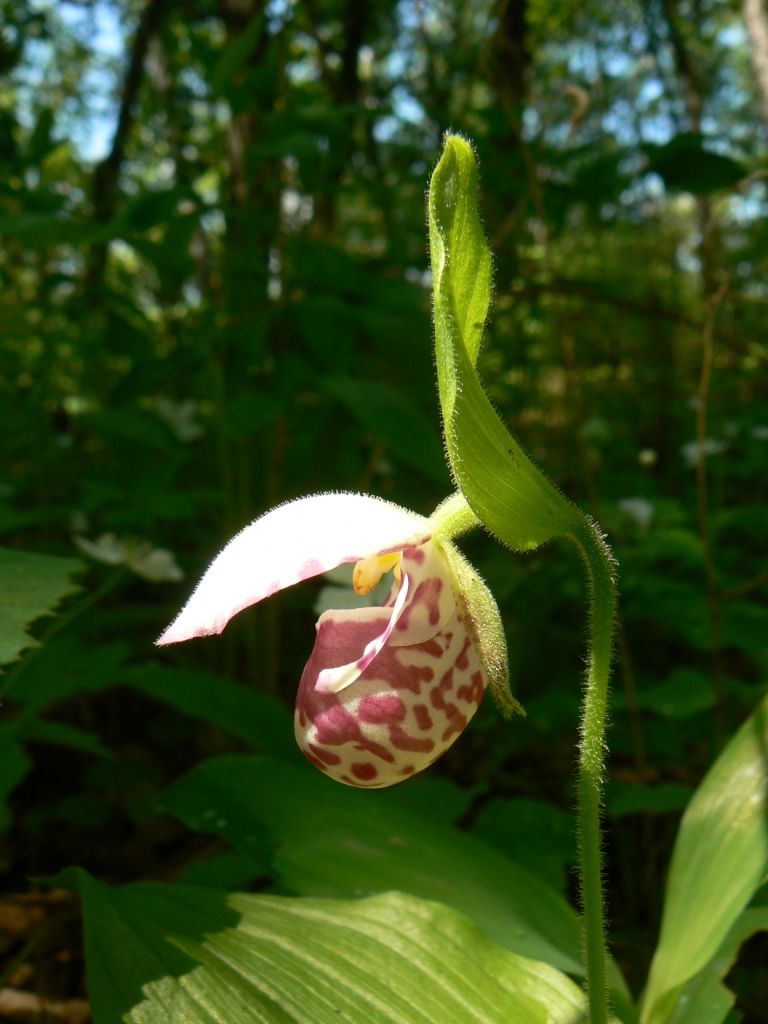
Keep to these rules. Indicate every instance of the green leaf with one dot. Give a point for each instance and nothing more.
(67, 665)
(390, 959)
(31, 585)
(685, 693)
(126, 935)
(391, 417)
(14, 765)
(623, 800)
(227, 871)
(42, 731)
(719, 861)
(255, 717)
(684, 163)
(532, 833)
(329, 326)
(505, 490)
(337, 841)
(236, 54)
(704, 999)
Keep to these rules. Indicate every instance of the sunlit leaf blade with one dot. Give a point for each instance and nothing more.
(390, 959)
(506, 491)
(31, 585)
(704, 999)
(720, 859)
(126, 935)
(336, 841)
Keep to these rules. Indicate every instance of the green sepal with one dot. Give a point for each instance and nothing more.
(512, 498)
(482, 620)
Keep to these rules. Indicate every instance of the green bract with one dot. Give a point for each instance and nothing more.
(506, 491)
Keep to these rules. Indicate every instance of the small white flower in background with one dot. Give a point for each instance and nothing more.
(179, 417)
(157, 565)
(690, 451)
(154, 564)
(639, 510)
(106, 548)
(648, 457)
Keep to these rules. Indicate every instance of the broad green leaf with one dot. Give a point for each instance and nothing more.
(336, 841)
(391, 417)
(704, 999)
(126, 935)
(684, 693)
(684, 163)
(255, 717)
(390, 959)
(31, 585)
(44, 731)
(719, 861)
(505, 490)
(68, 665)
(622, 799)
(227, 871)
(532, 833)
(329, 326)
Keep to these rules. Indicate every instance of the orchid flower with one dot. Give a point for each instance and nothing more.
(387, 689)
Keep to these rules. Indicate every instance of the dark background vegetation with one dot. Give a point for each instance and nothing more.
(215, 297)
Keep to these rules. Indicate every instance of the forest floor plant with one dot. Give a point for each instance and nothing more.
(468, 935)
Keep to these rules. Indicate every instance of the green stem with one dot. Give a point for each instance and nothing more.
(453, 516)
(58, 624)
(599, 565)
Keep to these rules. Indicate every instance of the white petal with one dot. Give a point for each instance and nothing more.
(293, 542)
(156, 565)
(107, 549)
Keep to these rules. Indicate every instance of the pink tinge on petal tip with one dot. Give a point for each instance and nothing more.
(293, 542)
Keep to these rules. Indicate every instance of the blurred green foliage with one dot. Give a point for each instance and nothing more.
(215, 297)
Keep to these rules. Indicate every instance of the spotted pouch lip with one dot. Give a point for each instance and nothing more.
(403, 711)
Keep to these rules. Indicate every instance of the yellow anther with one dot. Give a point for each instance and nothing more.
(369, 571)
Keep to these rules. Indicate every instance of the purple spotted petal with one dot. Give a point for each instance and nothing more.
(431, 602)
(333, 680)
(422, 604)
(291, 543)
(406, 708)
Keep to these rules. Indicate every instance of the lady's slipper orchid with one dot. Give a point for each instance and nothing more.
(386, 689)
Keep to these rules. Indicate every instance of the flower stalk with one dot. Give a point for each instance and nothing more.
(599, 566)
(513, 499)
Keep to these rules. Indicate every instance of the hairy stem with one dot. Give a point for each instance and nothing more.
(599, 565)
